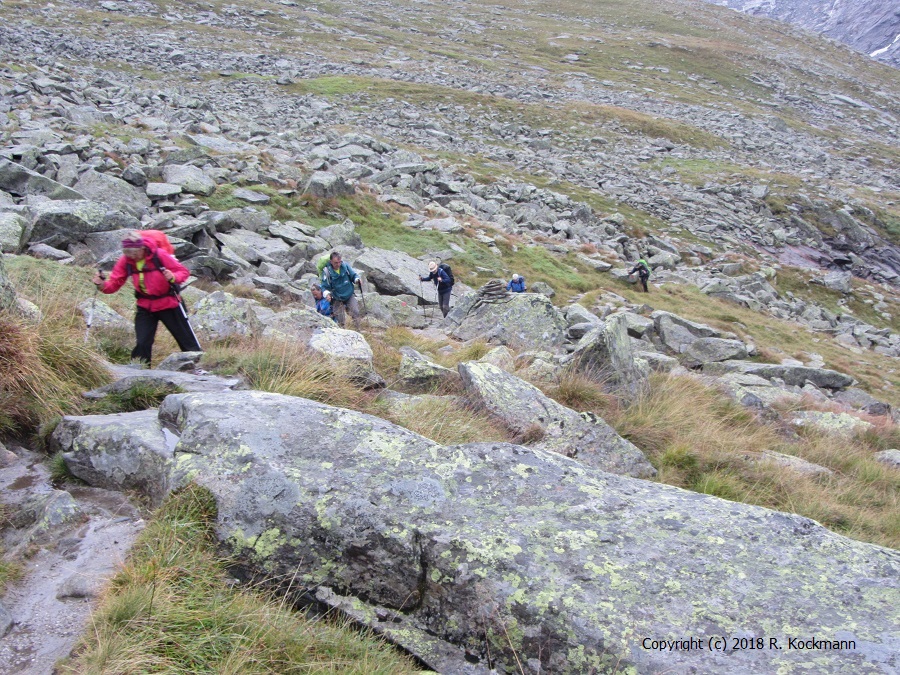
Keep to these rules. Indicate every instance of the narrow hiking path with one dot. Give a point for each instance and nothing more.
(70, 541)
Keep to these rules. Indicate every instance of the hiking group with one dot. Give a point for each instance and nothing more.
(148, 261)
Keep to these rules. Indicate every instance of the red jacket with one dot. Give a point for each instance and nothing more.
(154, 281)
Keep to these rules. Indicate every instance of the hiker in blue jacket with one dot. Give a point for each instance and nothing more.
(323, 301)
(517, 284)
(339, 278)
(444, 285)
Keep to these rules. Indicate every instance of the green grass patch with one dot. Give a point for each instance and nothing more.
(170, 609)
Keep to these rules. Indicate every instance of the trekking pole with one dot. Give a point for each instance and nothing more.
(90, 317)
(422, 292)
(362, 294)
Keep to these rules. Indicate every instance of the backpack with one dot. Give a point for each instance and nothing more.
(449, 272)
(320, 264)
(159, 239)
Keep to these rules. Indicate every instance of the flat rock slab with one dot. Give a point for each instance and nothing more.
(791, 375)
(51, 604)
(127, 377)
(526, 555)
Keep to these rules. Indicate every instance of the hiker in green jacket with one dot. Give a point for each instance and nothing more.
(642, 268)
(339, 278)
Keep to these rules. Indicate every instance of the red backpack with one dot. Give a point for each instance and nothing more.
(159, 240)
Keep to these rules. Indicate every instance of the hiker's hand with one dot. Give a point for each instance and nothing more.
(169, 276)
(358, 282)
(98, 279)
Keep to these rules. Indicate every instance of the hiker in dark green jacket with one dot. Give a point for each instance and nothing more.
(339, 278)
(642, 268)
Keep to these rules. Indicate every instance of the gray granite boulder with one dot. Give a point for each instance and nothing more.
(606, 354)
(221, 315)
(520, 405)
(677, 333)
(114, 192)
(398, 310)
(341, 234)
(791, 375)
(295, 323)
(889, 458)
(100, 315)
(117, 452)
(326, 185)
(18, 180)
(521, 321)
(12, 228)
(418, 372)
(63, 221)
(190, 178)
(348, 352)
(710, 350)
(395, 273)
(517, 556)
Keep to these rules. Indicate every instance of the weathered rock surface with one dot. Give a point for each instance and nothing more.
(123, 451)
(348, 351)
(520, 405)
(606, 354)
(792, 375)
(533, 549)
(522, 320)
(419, 372)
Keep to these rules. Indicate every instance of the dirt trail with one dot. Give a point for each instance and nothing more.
(72, 540)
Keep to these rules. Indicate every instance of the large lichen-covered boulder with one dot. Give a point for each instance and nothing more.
(605, 353)
(347, 351)
(521, 320)
(100, 315)
(12, 228)
(64, 221)
(123, 451)
(398, 310)
(522, 556)
(221, 315)
(676, 333)
(395, 273)
(115, 192)
(520, 405)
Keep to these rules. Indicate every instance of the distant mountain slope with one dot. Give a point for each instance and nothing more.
(871, 26)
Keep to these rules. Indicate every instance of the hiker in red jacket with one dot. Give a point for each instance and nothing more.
(155, 275)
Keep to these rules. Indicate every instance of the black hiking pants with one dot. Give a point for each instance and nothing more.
(145, 324)
(643, 281)
(444, 301)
